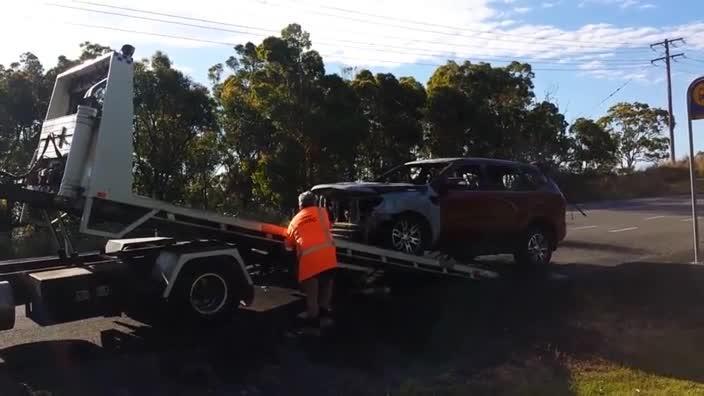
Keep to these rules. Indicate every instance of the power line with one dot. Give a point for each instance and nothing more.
(694, 59)
(667, 58)
(512, 40)
(395, 62)
(617, 90)
(150, 33)
(473, 32)
(693, 74)
(144, 18)
(700, 71)
(690, 49)
(424, 23)
(270, 31)
(368, 46)
(609, 96)
(694, 65)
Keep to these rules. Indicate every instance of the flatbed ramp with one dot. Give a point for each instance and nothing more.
(359, 256)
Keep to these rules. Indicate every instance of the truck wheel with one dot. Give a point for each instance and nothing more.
(205, 292)
(534, 248)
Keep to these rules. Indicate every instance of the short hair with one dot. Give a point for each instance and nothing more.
(306, 199)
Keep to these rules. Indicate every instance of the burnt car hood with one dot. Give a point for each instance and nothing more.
(365, 188)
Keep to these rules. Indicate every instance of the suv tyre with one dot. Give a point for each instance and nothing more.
(534, 248)
(408, 234)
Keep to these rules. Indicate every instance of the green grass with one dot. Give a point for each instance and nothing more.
(601, 379)
(624, 381)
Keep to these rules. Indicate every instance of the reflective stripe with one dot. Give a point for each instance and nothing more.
(328, 238)
(316, 248)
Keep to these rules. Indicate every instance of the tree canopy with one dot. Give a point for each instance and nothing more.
(274, 122)
(638, 130)
(176, 139)
(595, 149)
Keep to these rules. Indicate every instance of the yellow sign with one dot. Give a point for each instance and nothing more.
(695, 99)
(698, 94)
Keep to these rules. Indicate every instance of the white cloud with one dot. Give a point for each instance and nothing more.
(550, 4)
(641, 4)
(463, 29)
(506, 22)
(521, 10)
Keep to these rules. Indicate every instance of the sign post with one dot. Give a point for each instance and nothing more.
(695, 111)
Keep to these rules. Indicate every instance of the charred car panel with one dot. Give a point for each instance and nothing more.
(362, 211)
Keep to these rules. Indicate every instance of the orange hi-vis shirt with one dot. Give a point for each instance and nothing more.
(309, 233)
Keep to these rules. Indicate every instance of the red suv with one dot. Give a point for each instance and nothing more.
(465, 207)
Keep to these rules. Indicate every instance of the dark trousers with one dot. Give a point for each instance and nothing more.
(318, 290)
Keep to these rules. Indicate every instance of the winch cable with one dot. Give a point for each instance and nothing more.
(576, 206)
(35, 161)
(548, 171)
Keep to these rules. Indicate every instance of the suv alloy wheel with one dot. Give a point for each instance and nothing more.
(535, 248)
(407, 234)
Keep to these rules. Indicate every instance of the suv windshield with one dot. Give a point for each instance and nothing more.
(413, 173)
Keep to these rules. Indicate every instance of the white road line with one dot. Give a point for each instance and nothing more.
(582, 228)
(624, 229)
(556, 276)
(654, 218)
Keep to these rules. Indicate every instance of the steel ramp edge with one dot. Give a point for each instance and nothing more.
(358, 251)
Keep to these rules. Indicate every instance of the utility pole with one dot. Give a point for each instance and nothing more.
(670, 119)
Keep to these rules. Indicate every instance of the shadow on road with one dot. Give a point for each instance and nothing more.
(496, 337)
(604, 247)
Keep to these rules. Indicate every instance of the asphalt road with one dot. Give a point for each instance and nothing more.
(79, 357)
(653, 229)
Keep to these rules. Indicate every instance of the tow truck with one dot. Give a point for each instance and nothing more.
(200, 263)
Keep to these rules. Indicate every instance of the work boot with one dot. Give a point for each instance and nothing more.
(326, 312)
(311, 327)
(326, 319)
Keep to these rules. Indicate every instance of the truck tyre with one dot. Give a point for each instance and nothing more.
(205, 292)
(534, 249)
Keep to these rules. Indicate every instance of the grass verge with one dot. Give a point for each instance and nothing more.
(538, 380)
(607, 379)
(635, 329)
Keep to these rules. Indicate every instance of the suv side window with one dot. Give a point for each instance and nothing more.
(534, 177)
(506, 178)
(465, 177)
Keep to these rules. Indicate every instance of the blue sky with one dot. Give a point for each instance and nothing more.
(582, 50)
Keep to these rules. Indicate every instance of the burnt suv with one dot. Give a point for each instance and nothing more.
(465, 207)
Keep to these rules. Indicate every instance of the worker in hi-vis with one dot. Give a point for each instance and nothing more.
(309, 234)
